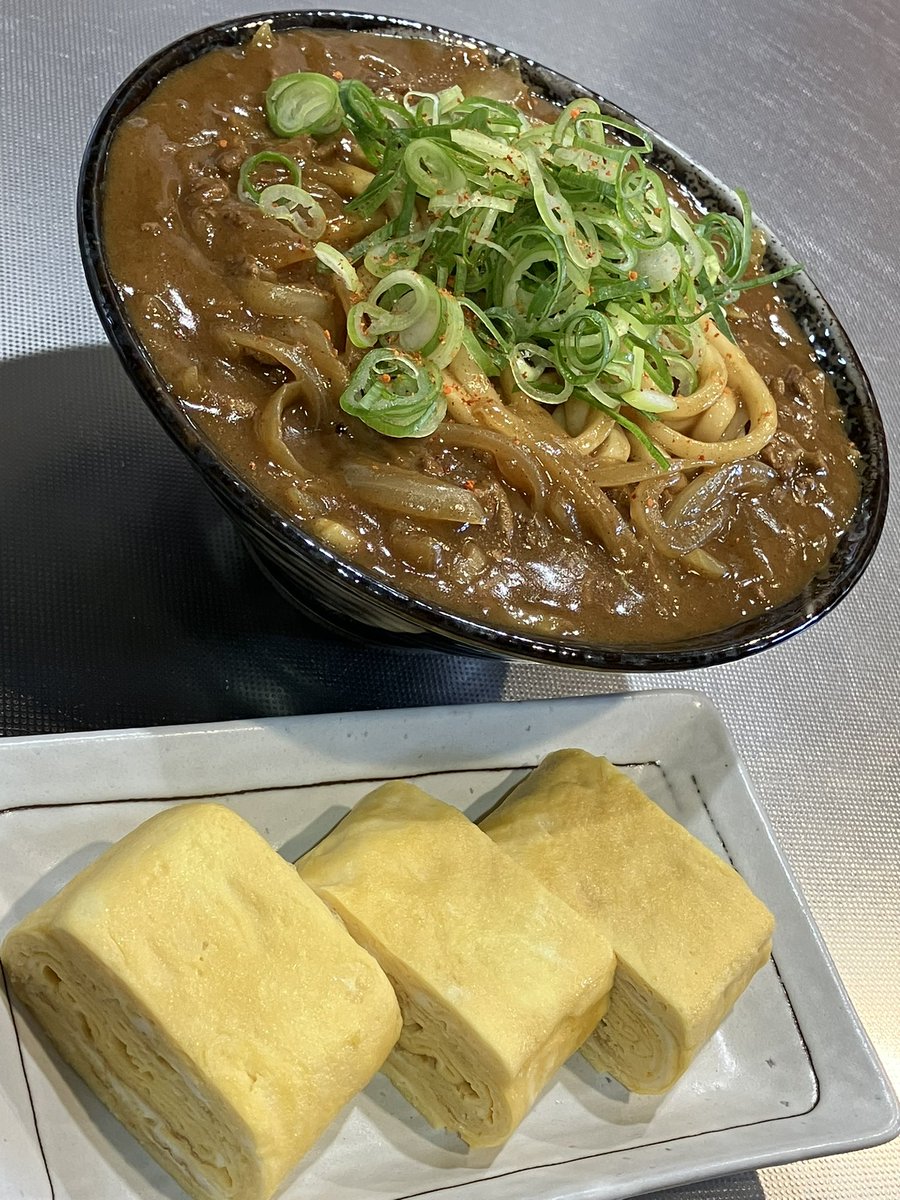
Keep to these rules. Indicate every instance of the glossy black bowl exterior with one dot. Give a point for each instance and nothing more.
(348, 600)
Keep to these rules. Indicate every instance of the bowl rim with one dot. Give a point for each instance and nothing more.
(736, 641)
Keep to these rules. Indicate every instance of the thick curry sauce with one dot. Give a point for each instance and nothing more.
(183, 246)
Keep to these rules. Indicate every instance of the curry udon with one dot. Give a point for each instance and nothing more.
(475, 343)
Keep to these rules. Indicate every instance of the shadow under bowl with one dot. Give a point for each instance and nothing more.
(351, 602)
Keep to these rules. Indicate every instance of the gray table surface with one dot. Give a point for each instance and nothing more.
(800, 102)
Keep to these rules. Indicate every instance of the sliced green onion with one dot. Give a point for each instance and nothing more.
(564, 129)
(394, 254)
(551, 250)
(587, 341)
(246, 188)
(497, 338)
(655, 365)
(410, 300)
(304, 102)
(481, 356)
(465, 201)
(395, 394)
(285, 201)
(449, 98)
(660, 266)
(637, 365)
(759, 281)
(296, 206)
(441, 344)
(417, 104)
(649, 401)
(684, 373)
(733, 235)
(492, 151)
(640, 143)
(642, 204)
(534, 371)
(432, 168)
(435, 104)
(370, 118)
(494, 116)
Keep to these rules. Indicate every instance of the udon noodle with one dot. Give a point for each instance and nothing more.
(686, 484)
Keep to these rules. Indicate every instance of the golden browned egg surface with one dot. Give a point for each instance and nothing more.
(688, 933)
(499, 980)
(207, 997)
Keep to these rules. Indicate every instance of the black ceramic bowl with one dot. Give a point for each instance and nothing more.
(348, 600)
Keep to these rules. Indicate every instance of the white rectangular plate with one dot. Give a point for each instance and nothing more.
(790, 1074)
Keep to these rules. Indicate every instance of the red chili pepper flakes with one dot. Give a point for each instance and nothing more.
(338, 75)
(223, 142)
(469, 485)
(385, 378)
(447, 389)
(632, 275)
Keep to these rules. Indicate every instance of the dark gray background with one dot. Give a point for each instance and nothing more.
(125, 598)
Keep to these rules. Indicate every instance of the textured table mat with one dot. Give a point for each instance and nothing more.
(126, 598)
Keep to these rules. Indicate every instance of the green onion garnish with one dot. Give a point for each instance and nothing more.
(247, 189)
(396, 394)
(296, 206)
(304, 102)
(550, 250)
(285, 201)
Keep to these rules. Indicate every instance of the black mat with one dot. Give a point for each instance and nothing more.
(128, 599)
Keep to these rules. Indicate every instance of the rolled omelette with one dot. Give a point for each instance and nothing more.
(687, 931)
(208, 998)
(498, 980)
